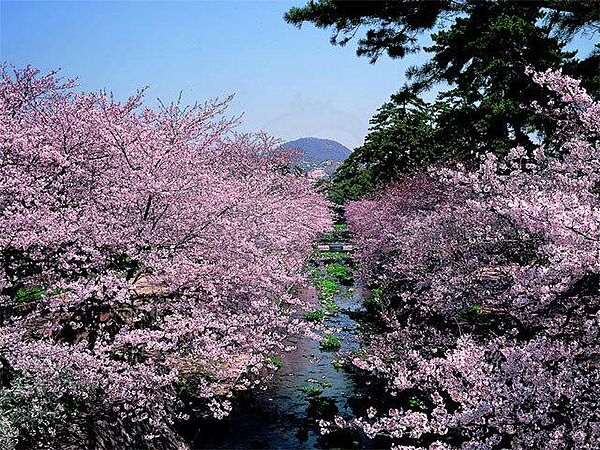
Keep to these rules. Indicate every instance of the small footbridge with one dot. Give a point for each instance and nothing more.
(336, 246)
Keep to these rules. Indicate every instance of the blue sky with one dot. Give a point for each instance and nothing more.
(288, 82)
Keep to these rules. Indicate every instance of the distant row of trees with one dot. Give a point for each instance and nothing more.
(478, 56)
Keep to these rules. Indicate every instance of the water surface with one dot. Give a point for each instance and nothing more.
(282, 416)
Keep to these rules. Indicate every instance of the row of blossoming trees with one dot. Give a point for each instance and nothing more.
(150, 259)
(491, 295)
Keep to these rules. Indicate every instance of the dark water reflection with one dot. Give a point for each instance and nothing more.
(282, 416)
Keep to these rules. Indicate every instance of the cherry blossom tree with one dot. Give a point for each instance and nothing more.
(150, 263)
(491, 297)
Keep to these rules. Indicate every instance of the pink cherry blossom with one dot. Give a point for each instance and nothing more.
(490, 294)
(166, 251)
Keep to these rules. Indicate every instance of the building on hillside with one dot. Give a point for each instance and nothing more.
(317, 174)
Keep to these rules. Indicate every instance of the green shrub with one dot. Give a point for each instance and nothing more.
(414, 403)
(333, 256)
(323, 384)
(476, 314)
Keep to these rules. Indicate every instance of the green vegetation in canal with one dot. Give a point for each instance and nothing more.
(340, 226)
(312, 391)
(477, 315)
(337, 364)
(348, 293)
(327, 287)
(274, 361)
(323, 384)
(316, 387)
(374, 302)
(314, 273)
(414, 403)
(333, 256)
(330, 343)
(327, 237)
(471, 311)
(340, 272)
(322, 407)
(313, 316)
(330, 305)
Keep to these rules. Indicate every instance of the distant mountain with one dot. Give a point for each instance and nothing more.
(317, 151)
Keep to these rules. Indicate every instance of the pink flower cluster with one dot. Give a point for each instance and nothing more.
(150, 259)
(491, 295)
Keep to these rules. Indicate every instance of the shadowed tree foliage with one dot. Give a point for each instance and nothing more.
(394, 26)
(483, 58)
(478, 53)
(402, 134)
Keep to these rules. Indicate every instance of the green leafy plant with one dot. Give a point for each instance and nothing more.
(339, 271)
(330, 343)
(471, 310)
(376, 293)
(311, 391)
(414, 403)
(314, 273)
(330, 305)
(313, 316)
(348, 293)
(333, 256)
(29, 295)
(322, 407)
(476, 314)
(327, 287)
(274, 361)
(323, 384)
(340, 226)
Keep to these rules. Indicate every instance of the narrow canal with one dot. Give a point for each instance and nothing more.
(314, 381)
